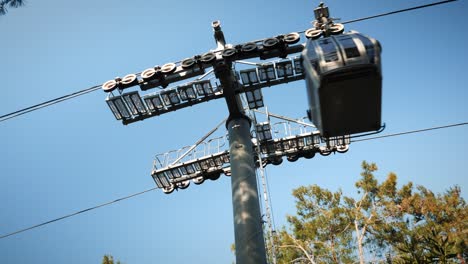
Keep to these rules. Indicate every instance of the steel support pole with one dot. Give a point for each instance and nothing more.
(248, 231)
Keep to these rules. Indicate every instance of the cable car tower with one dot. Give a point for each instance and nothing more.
(343, 80)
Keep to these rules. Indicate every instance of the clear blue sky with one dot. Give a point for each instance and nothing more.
(75, 155)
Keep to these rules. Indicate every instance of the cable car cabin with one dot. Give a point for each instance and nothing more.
(344, 83)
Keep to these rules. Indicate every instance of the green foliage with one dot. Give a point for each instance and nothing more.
(320, 231)
(428, 227)
(395, 225)
(9, 3)
(108, 259)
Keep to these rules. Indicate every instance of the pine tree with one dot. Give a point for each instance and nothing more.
(396, 225)
(9, 3)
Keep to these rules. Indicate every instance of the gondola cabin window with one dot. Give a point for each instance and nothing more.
(344, 84)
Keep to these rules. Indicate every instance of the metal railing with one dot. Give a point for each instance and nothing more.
(209, 159)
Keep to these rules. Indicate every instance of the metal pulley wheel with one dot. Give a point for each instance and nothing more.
(227, 172)
(292, 158)
(109, 86)
(187, 63)
(214, 176)
(168, 68)
(198, 180)
(183, 185)
(148, 74)
(229, 53)
(292, 38)
(309, 154)
(249, 47)
(168, 190)
(208, 57)
(336, 29)
(325, 151)
(270, 43)
(129, 80)
(342, 148)
(276, 161)
(313, 33)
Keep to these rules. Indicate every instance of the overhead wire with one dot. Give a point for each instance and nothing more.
(152, 189)
(48, 103)
(95, 88)
(76, 213)
(410, 132)
(398, 11)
